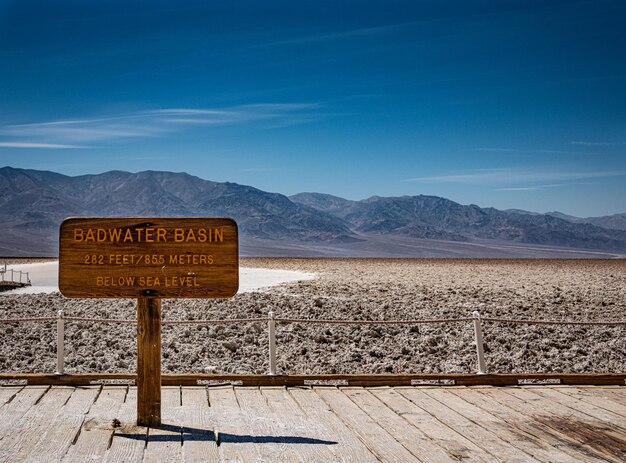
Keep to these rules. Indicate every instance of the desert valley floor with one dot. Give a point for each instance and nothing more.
(353, 289)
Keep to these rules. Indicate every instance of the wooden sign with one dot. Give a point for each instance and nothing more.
(148, 258)
(164, 257)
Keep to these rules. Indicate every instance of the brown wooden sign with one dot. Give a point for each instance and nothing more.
(162, 257)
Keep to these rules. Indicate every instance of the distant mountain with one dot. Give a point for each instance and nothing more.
(33, 204)
(612, 222)
(521, 211)
(569, 218)
(376, 215)
(322, 202)
(439, 218)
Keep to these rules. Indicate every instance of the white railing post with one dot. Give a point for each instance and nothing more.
(478, 337)
(60, 344)
(271, 323)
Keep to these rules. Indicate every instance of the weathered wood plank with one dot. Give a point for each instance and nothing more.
(550, 423)
(598, 379)
(455, 444)
(603, 397)
(165, 441)
(618, 394)
(11, 412)
(314, 443)
(494, 423)
(488, 441)
(233, 427)
(523, 426)
(63, 430)
(18, 440)
(97, 429)
(74, 379)
(460, 379)
(199, 440)
(7, 393)
(529, 415)
(271, 436)
(379, 441)
(408, 435)
(349, 448)
(589, 441)
(588, 423)
(615, 416)
(129, 440)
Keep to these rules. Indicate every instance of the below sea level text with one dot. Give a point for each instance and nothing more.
(149, 282)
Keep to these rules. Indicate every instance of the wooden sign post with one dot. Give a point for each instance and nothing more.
(148, 361)
(149, 258)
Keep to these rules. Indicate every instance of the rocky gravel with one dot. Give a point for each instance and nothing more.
(374, 289)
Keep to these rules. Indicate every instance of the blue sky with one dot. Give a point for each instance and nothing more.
(504, 104)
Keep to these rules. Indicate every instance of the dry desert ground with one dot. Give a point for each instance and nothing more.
(353, 289)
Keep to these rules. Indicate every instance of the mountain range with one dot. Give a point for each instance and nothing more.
(33, 203)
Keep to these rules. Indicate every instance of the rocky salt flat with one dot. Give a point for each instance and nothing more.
(353, 289)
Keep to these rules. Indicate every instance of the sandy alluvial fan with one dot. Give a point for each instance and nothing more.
(353, 289)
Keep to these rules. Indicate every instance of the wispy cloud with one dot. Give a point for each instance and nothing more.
(50, 146)
(72, 133)
(597, 143)
(358, 32)
(532, 151)
(538, 187)
(514, 176)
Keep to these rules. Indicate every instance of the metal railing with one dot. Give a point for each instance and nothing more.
(272, 320)
(24, 278)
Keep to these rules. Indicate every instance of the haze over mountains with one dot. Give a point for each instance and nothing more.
(33, 204)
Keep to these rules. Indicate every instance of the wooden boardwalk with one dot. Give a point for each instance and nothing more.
(319, 424)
